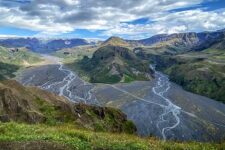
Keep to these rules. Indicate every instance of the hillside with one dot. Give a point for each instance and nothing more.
(18, 56)
(112, 64)
(201, 72)
(13, 59)
(41, 120)
(32, 105)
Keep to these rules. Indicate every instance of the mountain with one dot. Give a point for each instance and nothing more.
(196, 61)
(112, 64)
(115, 41)
(58, 44)
(201, 72)
(184, 41)
(33, 105)
(43, 46)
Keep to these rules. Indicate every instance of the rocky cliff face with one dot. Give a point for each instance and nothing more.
(32, 105)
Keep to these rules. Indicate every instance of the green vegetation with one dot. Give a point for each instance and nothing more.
(18, 56)
(199, 72)
(74, 54)
(7, 70)
(11, 60)
(115, 41)
(200, 77)
(112, 64)
(83, 139)
(32, 105)
(127, 79)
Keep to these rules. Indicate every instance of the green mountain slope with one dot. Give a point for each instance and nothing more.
(7, 70)
(32, 105)
(199, 72)
(18, 56)
(11, 60)
(112, 64)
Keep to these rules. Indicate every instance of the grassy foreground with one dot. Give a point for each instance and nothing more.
(75, 138)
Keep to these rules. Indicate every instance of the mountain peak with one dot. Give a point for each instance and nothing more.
(115, 41)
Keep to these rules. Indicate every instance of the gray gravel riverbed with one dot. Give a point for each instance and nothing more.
(157, 107)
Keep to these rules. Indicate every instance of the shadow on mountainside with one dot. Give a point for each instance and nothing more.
(7, 70)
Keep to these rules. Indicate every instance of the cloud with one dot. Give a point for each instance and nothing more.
(185, 21)
(52, 17)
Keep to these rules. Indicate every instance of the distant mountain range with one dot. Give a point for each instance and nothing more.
(192, 40)
(184, 41)
(177, 41)
(38, 45)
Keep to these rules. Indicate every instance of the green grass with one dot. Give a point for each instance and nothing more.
(85, 140)
(128, 79)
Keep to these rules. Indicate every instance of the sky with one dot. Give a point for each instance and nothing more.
(100, 19)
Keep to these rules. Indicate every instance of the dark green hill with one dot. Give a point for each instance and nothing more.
(112, 64)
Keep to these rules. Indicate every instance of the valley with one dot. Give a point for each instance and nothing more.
(166, 110)
(159, 88)
(56, 78)
(158, 107)
(112, 75)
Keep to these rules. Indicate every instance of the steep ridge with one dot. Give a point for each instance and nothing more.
(32, 105)
(111, 64)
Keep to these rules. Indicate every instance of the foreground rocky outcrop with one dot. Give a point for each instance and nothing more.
(32, 105)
